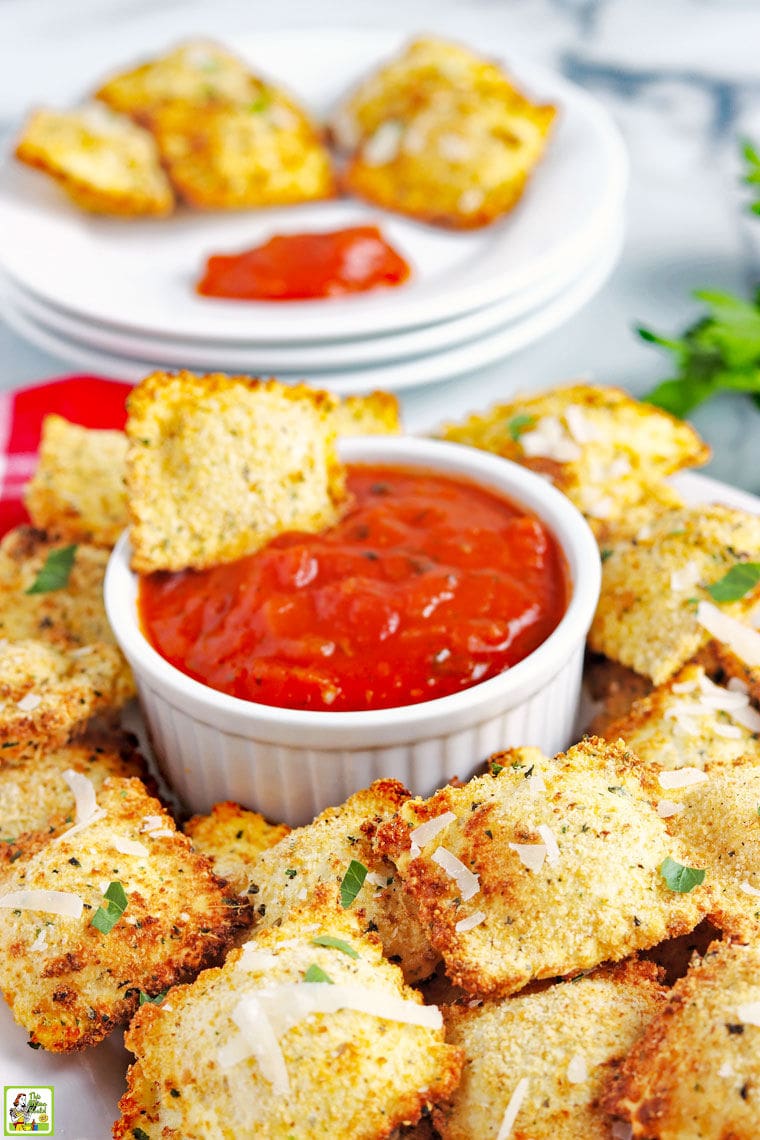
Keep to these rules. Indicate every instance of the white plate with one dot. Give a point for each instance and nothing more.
(88, 1085)
(140, 274)
(349, 354)
(426, 369)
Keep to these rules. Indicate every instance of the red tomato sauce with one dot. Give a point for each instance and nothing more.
(428, 585)
(298, 267)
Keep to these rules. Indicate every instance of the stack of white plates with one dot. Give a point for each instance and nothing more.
(118, 297)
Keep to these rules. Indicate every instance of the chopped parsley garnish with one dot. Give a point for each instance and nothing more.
(496, 768)
(261, 103)
(315, 973)
(352, 883)
(139, 1134)
(518, 424)
(146, 999)
(335, 944)
(291, 872)
(679, 878)
(737, 582)
(106, 917)
(56, 572)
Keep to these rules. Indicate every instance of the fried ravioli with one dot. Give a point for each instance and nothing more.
(652, 587)
(47, 694)
(606, 451)
(301, 1070)
(317, 857)
(562, 1041)
(695, 1071)
(234, 157)
(690, 722)
(73, 963)
(78, 491)
(443, 136)
(102, 161)
(548, 868)
(34, 796)
(218, 465)
(233, 838)
(716, 822)
(68, 613)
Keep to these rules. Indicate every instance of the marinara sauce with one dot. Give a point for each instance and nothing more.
(297, 267)
(428, 585)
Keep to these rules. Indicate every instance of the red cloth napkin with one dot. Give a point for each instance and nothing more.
(87, 400)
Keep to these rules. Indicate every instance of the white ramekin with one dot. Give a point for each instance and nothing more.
(291, 764)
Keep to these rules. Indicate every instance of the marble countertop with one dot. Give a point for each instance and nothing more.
(679, 76)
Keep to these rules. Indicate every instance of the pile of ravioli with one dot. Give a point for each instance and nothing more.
(560, 946)
(437, 133)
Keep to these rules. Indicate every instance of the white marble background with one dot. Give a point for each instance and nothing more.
(681, 77)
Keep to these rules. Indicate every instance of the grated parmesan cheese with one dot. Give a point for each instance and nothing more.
(749, 889)
(29, 702)
(681, 778)
(531, 855)
(470, 922)
(749, 1014)
(580, 427)
(536, 784)
(468, 883)
(428, 830)
(552, 848)
(513, 1108)
(726, 1070)
(577, 1070)
(740, 638)
(384, 144)
(40, 942)
(129, 846)
(86, 805)
(549, 440)
(685, 578)
(667, 808)
(65, 903)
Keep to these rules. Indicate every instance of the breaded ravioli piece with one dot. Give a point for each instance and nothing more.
(47, 694)
(695, 1071)
(654, 587)
(266, 153)
(64, 608)
(558, 1045)
(78, 490)
(233, 838)
(606, 451)
(307, 1031)
(715, 819)
(104, 162)
(72, 964)
(316, 858)
(218, 465)
(442, 135)
(378, 413)
(199, 72)
(35, 796)
(547, 868)
(690, 722)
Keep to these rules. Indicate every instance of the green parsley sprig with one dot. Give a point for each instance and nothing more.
(719, 353)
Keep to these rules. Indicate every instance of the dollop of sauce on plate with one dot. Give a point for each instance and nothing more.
(429, 584)
(306, 266)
